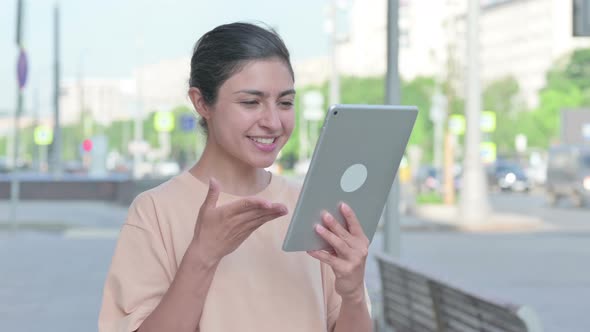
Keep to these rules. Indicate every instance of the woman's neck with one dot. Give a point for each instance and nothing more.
(235, 176)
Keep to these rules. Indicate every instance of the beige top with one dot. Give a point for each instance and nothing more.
(258, 287)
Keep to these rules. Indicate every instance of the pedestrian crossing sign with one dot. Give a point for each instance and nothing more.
(43, 135)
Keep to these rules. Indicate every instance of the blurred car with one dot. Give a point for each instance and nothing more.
(74, 167)
(508, 176)
(427, 179)
(4, 168)
(568, 174)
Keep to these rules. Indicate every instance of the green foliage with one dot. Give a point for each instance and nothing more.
(419, 92)
(568, 86)
(578, 68)
(500, 97)
(429, 198)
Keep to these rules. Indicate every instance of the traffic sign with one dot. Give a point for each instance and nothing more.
(313, 103)
(22, 68)
(488, 152)
(586, 131)
(164, 121)
(457, 124)
(488, 121)
(43, 135)
(87, 145)
(188, 122)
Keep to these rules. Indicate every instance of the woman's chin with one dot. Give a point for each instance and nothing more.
(263, 162)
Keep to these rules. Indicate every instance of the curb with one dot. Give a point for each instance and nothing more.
(494, 223)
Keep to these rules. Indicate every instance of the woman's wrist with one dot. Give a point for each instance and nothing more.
(199, 256)
(355, 297)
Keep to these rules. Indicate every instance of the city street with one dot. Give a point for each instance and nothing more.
(564, 217)
(57, 277)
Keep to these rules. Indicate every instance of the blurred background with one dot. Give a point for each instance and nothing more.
(492, 193)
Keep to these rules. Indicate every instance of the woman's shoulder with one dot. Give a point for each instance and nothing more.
(167, 195)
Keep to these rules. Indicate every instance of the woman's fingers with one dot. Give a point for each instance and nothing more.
(253, 217)
(334, 226)
(354, 226)
(338, 244)
(244, 205)
(334, 261)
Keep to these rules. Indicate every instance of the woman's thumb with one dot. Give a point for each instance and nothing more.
(212, 194)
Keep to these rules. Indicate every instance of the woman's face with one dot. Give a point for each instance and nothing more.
(254, 115)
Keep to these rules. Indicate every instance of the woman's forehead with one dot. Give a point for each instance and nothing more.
(269, 76)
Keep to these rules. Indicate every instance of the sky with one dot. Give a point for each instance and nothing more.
(108, 38)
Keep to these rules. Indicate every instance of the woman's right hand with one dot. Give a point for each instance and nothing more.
(221, 229)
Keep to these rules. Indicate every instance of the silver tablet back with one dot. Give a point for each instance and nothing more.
(355, 161)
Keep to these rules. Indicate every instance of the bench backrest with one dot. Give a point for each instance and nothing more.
(415, 302)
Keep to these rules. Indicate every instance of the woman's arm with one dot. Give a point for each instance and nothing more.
(347, 259)
(354, 315)
(218, 232)
(181, 307)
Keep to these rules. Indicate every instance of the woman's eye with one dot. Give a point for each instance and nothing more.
(249, 102)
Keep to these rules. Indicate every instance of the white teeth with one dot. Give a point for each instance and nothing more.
(263, 140)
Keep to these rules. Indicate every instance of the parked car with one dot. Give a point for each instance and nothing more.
(508, 176)
(427, 179)
(568, 174)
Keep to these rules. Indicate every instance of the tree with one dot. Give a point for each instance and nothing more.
(501, 97)
(371, 90)
(568, 86)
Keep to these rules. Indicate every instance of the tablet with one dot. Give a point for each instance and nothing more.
(355, 161)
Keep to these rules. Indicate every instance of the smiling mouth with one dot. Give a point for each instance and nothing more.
(263, 140)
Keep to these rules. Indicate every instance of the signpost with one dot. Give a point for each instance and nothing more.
(21, 74)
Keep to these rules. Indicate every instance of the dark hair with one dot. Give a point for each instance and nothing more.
(223, 51)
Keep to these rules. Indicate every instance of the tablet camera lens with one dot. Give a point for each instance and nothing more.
(335, 112)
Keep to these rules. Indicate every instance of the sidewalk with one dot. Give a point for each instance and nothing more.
(496, 222)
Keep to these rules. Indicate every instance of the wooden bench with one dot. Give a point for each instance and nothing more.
(413, 302)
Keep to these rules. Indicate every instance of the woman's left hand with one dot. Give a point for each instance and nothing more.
(349, 254)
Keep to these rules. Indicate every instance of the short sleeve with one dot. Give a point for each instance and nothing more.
(139, 274)
(332, 299)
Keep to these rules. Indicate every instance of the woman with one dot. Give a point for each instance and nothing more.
(202, 252)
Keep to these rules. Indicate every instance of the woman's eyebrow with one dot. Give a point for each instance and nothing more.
(262, 94)
(287, 92)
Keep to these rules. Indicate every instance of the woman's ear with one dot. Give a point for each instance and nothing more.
(199, 102)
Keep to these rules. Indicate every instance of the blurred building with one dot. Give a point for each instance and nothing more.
(519, 38)
(154, 87)
(523, 38)
(103, 100)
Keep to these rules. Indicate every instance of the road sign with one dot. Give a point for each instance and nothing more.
(138, 147)
(438, 112)
(457, 124)
(488, 152)
(520, 141)
(488, 121)
(22, 68)
(87, 145)
(43, 135)
(164, 121)
(188, 122)
(586, 131)
(313, 106)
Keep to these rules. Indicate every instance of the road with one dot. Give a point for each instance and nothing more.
(57, 277)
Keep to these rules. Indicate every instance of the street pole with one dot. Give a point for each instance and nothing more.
(334, 76)
(138, 119)
(21, 78)
(56, 147)
(36, 147)
(474, 206)
(391, 217)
